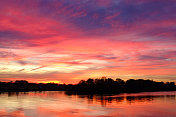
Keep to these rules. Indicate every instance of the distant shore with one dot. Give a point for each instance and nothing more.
(91, 86)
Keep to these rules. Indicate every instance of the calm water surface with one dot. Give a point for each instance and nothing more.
(58, 104)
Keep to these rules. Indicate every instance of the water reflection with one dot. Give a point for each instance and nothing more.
(56, 103)
(129, 99)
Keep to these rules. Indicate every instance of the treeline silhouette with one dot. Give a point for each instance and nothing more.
(92, 86)
(23, 85)
(110, 86)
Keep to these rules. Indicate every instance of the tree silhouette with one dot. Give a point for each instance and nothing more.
(92, 86)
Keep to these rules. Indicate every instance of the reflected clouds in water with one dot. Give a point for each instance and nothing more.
(55, 103)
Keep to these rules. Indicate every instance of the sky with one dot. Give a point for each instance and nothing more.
(69, 40)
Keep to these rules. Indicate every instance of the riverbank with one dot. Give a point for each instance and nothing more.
(91, 86)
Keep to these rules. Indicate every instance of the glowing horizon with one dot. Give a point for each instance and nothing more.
(71, 40)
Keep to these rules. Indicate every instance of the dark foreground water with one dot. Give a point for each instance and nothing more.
(58, 104)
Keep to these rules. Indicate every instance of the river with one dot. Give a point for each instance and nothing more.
(59, 104)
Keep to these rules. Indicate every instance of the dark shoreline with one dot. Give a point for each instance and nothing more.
(91, 86)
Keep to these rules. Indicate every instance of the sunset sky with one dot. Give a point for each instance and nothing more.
(69, 40)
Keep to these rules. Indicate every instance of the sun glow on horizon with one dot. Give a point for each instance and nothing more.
(53, 81)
